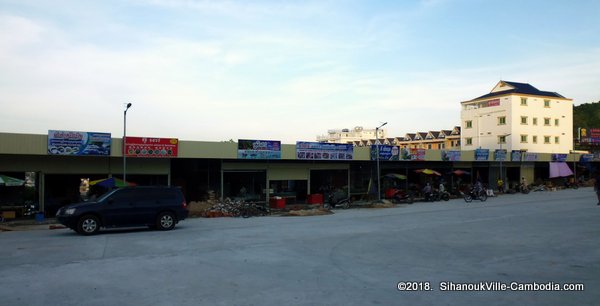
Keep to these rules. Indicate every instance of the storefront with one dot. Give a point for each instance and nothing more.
(256, 170)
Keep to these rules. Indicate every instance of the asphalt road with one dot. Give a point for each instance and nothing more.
(354, 257)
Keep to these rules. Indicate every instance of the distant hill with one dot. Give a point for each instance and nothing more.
(586, 115)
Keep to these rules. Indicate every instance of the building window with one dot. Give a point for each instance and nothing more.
(502, 120)
(502, 139)
(555, 122)
(429, 146)
(442, 146)
(546, 139)
(468, 124)
(556, 139)
(547, 103)
(534, 120)
(524, 101)
(547, 121)
(534, 139)
(523, 138)
(469, 141)
(523, 119)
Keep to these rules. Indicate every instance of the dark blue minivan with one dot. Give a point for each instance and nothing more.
(153, 206)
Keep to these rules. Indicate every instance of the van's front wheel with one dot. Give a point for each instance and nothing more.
(88, 225)
(165, 221)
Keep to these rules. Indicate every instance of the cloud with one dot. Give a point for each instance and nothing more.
(240, 70)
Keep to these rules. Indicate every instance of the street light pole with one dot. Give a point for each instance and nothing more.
(501, 159)
(377, 158)
(125, 143)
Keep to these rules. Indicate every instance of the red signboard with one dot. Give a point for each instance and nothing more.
(495, 102)
(151, 147)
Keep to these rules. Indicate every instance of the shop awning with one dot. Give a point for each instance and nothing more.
(10, 181)
(560, 169)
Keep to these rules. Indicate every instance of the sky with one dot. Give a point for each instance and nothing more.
(281, 70)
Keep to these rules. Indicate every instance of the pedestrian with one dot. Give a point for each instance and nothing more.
(500, 185)
(523, 183)
(597, 187)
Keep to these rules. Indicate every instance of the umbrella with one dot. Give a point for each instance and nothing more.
(428, 172)
(396, 175)
(461, 172)
(111, 182)
(10, 181)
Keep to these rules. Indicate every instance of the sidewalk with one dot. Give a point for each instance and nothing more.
(29, 225)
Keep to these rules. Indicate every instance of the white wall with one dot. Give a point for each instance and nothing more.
(485, 128)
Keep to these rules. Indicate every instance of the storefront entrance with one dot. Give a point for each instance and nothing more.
(245, 185)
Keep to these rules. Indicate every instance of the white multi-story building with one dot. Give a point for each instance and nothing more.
(518, 116)
(351, 135)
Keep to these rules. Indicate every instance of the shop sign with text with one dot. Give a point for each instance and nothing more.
(78, 143)
(151, 147)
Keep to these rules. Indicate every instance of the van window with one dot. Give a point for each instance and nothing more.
(124, 195)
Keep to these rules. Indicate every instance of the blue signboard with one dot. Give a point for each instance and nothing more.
(500, 154)
(451, 155)
(482, 154)
(78, 143)
(516, 155)
(585, 158)
(386, 152)
(559, 157)
(324, 151)
(259, 149)
(530, 156)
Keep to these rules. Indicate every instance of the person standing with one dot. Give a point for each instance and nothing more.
(500, 184)
(597, 187)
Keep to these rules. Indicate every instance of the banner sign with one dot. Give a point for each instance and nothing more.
(530, 156)
(78, 143)
(590, 136)
(151, 147)
(559, 157)
(585, 158)
(386, 152)
(450, 155)
(417, 154)
(482, 154)
(259, 149)
(500, 154)
(324, 151)
(516, 155)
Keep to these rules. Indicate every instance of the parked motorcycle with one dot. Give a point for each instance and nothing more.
(403, 196)
(29, 208)
(334, 201)
(475, 195)
(540, 187)
(441, 195)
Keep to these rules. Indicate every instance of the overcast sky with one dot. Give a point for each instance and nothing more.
(281, 70)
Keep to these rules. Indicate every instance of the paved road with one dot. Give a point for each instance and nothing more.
(354, 257)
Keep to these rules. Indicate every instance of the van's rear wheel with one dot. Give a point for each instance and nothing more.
(165, 221)
(88, 225)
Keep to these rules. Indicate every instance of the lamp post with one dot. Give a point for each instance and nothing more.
(377, 158)
(125, 143)
(501, 174)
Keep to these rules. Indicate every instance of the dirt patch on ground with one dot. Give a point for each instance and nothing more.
(308, 212)
(200, 209)
(382, 204)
